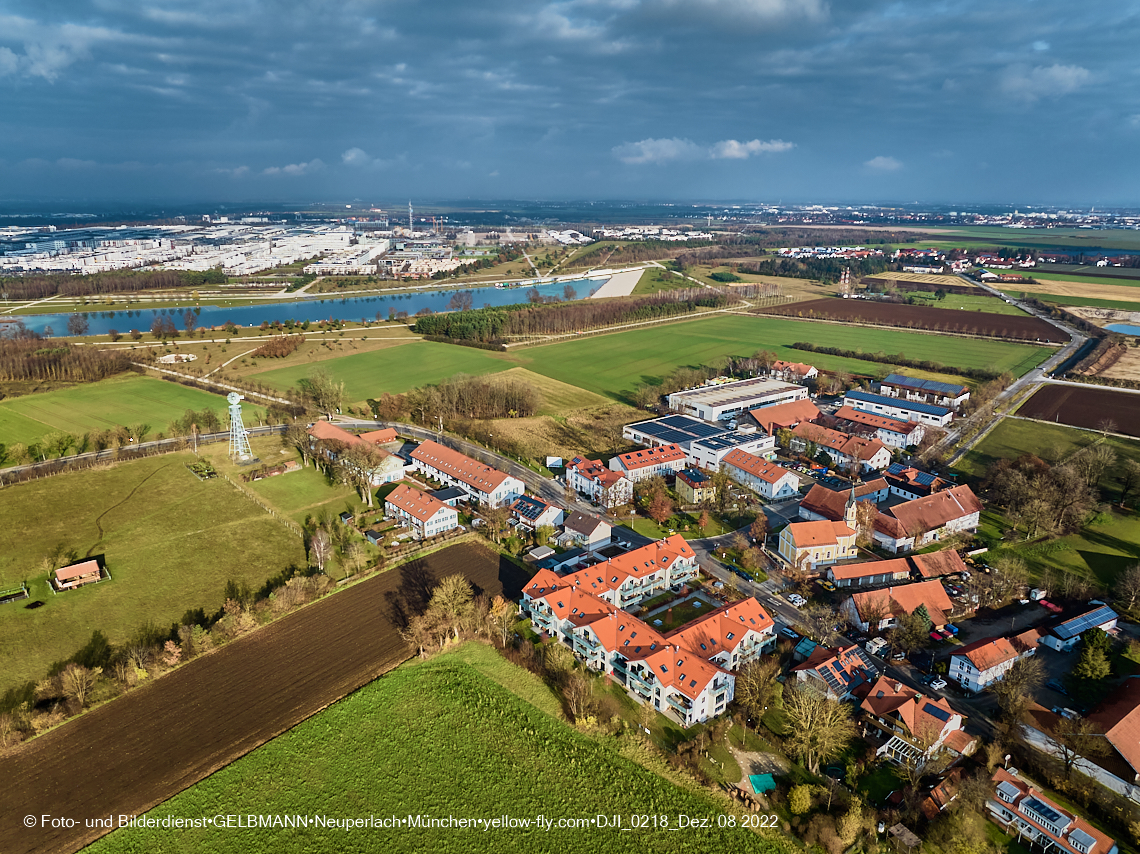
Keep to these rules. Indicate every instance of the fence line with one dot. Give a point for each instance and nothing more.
(288, 523)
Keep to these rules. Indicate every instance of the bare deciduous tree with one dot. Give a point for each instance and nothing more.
(821, 728)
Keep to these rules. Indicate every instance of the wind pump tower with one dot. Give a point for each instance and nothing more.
(240, 451)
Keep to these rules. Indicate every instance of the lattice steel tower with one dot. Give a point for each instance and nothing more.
(239, 438)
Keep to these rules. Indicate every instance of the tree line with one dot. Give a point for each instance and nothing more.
(26, 356)
(111, 282)
(897, 359)
(517, 321)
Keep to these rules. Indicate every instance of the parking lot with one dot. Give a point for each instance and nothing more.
(1012, 619)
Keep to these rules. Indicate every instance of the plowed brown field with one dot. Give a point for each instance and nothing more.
(1085, 407)
(1019, 327)
(135, 752)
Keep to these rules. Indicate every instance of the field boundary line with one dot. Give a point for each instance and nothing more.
(288, 523)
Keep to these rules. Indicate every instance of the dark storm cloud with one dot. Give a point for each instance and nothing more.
(798, 99)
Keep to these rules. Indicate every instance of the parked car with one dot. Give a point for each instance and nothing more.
(1058, 687)
(797, 600)
(790, 633)
(938, 683)
(1071, 714)
(935, 636)
(898, 655)
(826, 585)
(951, 628)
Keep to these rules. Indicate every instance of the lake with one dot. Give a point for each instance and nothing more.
(1123, 328)
(375, 307)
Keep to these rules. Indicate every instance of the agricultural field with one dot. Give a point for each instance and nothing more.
(1086, 406)
(1086, 290)
(442, 738)
(965, 302)
(1079, 301)
(1020, 326)
(170, 541)
(800, 289)
(1129, 276)
(614, 365)
(168, 735)
(125, 401)
(655, 279)
(936, 280)
(394, 369)
(1053, 443)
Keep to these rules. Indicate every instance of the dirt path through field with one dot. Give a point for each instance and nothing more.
(135, 752)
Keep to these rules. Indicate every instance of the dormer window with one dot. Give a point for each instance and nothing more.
(730, 636)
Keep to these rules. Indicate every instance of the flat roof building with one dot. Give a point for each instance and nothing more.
(722, 401)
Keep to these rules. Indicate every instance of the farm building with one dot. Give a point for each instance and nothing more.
(592, 477)
(763, 477)
(792, 372)
(903, 410)
(949, 395)
(720, 401)
(869, 574)
(78, 574)
(329, 441)
(878, 610)
(1118, 715)
(484, 484)
(426, 516)
(664, 460)
(915, 523)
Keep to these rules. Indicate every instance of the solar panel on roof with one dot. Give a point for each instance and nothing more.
(1044, 810)
(1079, 625)
(898, 403)
(936, 712)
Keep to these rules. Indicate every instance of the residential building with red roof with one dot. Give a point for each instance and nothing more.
(694, 486)
(846, 451)
(807, 545)
(914, 724)
(1023, 810)
(485, 485)
(977, 665)
(631, 578)
(329, 440)
(910, 482)
(950, 395)
(533, 513)
(425, 515)
(885, 606)
(591, 477)
(837, 671)
(765, 478)
(664, 460)
(793, 372)
(784, 416)
(890, 431)
(823, 504)
(687, 673)
(582, 529)
(913, 524)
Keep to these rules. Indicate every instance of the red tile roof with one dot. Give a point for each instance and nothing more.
(937, 564)
(756, 466)
(1069, 821)
(905, 599)
(459, 466)
(831, 503)
(651, 457)
(810, 534)
(77, 570)
(850, 413)
(931, 512)
(415, 503)
(988, 652)
(855, 447)
(874, 567)
(784, 414)
(1119, 715)
(324, 431)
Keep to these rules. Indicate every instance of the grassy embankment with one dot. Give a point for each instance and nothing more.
(464, 735)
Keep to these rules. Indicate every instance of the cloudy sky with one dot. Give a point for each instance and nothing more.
(1036, 101)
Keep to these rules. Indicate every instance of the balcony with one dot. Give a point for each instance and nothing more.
(587, 642)
(682, 704)
(639, 684)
